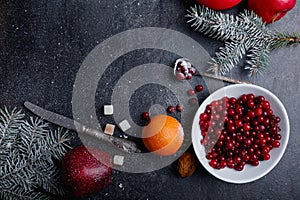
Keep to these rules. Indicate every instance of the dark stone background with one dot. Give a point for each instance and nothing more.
(43, 43)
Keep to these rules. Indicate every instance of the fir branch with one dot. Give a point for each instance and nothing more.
(9, 129)
(279, 40)
(227, 57)
(22, 195)
(241, 34)
(29, 167)
(258, 60)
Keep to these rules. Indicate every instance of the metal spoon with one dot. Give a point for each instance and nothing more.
(186, 76)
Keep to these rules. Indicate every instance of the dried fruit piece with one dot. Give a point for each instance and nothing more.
(187, 164)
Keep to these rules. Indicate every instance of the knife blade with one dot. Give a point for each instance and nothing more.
(71, 124)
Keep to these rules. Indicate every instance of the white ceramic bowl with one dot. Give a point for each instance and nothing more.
(250, 173)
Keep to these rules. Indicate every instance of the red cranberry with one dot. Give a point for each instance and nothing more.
(260, 98)
(265, 150)
(230, 163)
(266, 156)
(250, 103)
(244, 97)
(203, 116)
(260, 119)
(231, 112)
(189, 76)
(192, 71)
(193, 101)
(265, 104)
(209, 156)
(239, 167)
(213, 163)
(260, 135)
(263, 141)
(252, 157)
(171, 109)
(255, 163)
(238, 123)
(179, 108)
(251, 114)
(277, 137)
(230, 145)
(231, 128)
(237, 159)
(232, 100)
(247, 142)
(238, 110)
(276, 144)
(145, 115)
(247, 127)
(199, 88)
(277, 120)
(246, 157)
(269, 112)
(266, 121)
(180, 76)
(258, 111)
(191, 92)
(223, 164)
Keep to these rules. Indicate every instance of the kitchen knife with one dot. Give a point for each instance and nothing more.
(71, 124)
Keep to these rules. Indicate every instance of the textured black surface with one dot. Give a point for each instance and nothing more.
(43, 43)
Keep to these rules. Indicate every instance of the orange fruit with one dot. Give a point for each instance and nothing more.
(163, 135)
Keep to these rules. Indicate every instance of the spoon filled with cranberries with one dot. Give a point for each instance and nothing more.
(184, 70)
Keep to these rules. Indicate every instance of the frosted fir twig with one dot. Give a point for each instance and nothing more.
(245, 34)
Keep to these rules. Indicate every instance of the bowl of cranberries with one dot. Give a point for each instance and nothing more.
(240, 133)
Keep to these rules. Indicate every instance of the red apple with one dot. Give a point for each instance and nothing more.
(219, 4)
(84, 171)
(271, 10)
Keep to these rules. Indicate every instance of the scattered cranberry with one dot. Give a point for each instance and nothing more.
(191, 92)
(239, 131)
(171, 109)
(199, 88)
(179, 108)
(145, 115)
(193, 101)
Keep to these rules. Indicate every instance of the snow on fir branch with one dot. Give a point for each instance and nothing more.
(28, 153)
(244, 34)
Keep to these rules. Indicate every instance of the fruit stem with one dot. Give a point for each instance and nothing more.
(222, 78)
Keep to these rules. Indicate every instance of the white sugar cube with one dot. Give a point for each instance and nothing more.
(109, 129)
(118, 160)
(108, 110)
(124, 125)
